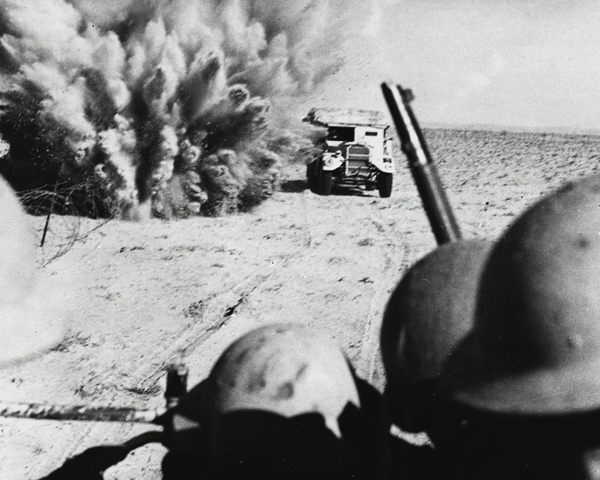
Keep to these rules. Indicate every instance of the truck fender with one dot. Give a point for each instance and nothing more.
(384, 164)
(331, 163)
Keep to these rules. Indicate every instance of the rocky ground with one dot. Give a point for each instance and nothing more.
(144, 294)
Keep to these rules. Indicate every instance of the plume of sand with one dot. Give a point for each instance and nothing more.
(117, 172)
(222, 187)
(64, 101)
(162, 175)
(109, 57)
(173, 69)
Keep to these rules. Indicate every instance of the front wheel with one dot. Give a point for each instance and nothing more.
(312, 176)
(326, 178)
(384, 184)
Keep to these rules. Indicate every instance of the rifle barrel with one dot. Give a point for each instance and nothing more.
(40, 411)
(423, 168)
(177, 375)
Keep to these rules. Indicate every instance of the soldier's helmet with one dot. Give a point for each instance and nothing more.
(429, 313)
(282, 401)
(29, 322)
(535, 344)
(287, 369)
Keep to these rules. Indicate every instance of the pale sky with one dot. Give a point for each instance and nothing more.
(514, 63)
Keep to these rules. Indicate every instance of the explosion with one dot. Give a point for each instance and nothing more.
(162, 108)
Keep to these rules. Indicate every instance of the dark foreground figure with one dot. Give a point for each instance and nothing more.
(511, 388)
(264, 445)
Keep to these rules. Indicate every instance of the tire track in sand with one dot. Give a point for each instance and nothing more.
(395, 252)
(211, 315)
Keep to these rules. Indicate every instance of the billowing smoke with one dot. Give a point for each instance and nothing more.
(162, 107)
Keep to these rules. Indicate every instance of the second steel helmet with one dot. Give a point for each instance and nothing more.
(428, 314)
(535, 346)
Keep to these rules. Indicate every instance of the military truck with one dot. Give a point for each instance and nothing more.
(355, 151)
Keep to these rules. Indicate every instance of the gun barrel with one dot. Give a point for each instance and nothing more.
(423, 168)
(80, 413)
(176, 388)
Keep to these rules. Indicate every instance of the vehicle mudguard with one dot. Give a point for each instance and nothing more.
(384, 164)
(330, 162)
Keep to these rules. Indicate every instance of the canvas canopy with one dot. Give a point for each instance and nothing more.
(344, 116)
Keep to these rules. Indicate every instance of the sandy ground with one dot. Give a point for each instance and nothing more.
(143, 294)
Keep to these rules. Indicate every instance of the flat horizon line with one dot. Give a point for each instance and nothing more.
(511, 128)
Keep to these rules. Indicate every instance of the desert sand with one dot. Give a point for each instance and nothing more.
(144, 294)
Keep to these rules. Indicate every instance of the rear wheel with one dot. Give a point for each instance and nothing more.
(385, 182)
(326, 178)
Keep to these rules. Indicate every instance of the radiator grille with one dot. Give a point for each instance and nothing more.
(358, 150)
(358, 158)
(355, 163)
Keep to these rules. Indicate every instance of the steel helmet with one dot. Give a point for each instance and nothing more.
(535, 346)
(29, 322)
(288, 369)
(429, 312)
(258, 406)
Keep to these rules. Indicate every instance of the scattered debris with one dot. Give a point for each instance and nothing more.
(195, 309)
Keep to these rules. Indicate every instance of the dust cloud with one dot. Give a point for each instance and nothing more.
(162, 108)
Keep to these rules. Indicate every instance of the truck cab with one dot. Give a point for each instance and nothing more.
(356, 151)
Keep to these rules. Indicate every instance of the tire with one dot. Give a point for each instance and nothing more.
(385, 182)
(313, 179)
(369, 186)
(326, 182)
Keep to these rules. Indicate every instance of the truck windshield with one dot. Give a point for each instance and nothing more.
(341, 134)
